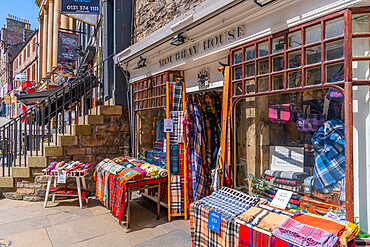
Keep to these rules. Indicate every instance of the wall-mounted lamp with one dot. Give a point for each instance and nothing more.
(262, 3)
(178, 40)
(141, 63)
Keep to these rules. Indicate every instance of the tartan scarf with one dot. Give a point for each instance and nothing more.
(329, 147)
(176, 194)
(174, 158)
(69, 191)
(174, 138)
(175, 93)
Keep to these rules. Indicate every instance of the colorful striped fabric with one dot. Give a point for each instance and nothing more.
(284, 181)
(286, 174)
(69, 191)
(175, 93)
(176, 194)
(174, 158)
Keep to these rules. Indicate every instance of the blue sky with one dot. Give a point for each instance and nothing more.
(25, 9)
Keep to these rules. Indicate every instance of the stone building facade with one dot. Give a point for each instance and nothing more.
(150, 15)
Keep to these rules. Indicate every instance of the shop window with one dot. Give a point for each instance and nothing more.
(295, 59)
(278, 63)
(263, 84)
(361, 47)
(334, 50)
(313, 54)
(278, 44)
(286, 133)
(334, 28)
(263, 49)
(250, 87)
(361, 70)
(295, 79)
(238, 73)
(249, 70)
(238, 56)
(335, 72)
(313, 34)
(263, 67)
(278, 82)
(249, 53)
(361, 23)
(313, 76)
(294, 39)
(238, 88)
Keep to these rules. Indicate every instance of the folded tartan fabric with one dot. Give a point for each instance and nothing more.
(325, 224)
(138, 169)
(294, 202)
(286, 174)
(68, 191)
(109, 166)
(176, 195)
(284, 181)
(298, 188)
(295, 196)
(174, 154)
(151, 170)
(129, 174)
(304, 235)
(261, 218)
(162, 173)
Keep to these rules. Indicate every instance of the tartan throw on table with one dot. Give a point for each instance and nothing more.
(174, 158)
(175, 93)
(69, 191)
(329, 147)
(304, 235)
(176, 194)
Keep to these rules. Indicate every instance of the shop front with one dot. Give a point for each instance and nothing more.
(296, 122)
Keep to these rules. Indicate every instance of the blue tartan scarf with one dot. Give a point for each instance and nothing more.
(329, 147)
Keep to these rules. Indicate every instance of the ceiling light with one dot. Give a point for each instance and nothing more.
(178, 40)
(262, 3)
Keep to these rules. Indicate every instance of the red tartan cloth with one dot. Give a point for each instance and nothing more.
(68, 191)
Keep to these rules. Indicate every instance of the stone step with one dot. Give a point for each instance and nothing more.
(6, 182)
(67, 140)
(91, 120)
(21, 172)
(109, 110)
(37, 162)
(53, 151)
(79, 130)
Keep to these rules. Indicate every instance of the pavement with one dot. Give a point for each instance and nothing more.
(63, 223)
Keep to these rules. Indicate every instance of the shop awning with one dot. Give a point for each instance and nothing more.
(35, 97)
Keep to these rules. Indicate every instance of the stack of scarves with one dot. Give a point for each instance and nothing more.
(69, 191)
(270, 194)
(67, 167)
(286, 179)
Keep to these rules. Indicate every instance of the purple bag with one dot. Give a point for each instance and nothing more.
(309, 122)
(280, 114)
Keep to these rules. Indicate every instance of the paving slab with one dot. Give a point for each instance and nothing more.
(34, 238)
(176, 238)
(69, 215)
(23, 225)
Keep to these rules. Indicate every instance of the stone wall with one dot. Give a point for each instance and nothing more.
(150, 15)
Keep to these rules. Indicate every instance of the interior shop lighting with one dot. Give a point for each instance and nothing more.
(262, 3)
(141, 63)
(178, 40)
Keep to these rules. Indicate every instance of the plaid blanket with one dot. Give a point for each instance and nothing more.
(176, 194)
(286, 174)
(174, 138)
(129, 174)
(68, 191)
(181, 159)
(101, 189)
(174, 158)
(180, 131)
(175, 93)
(284, 181)
(329, 147)
(304, 235)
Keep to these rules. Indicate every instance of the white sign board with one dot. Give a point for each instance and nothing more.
(281, 198)
(62, 177)
(168, 125)
(286, 158)
(20, 77)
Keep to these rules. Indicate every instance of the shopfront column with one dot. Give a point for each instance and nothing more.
(71, 23)
(64, 23)
(39, 48)
(44, 44)
(55, 32)
(50, 35)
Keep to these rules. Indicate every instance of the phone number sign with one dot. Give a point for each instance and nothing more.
(80, 6)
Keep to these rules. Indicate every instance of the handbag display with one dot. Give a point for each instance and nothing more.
(309, 122)
(280, 114)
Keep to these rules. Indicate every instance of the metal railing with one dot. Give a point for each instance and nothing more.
(39, 126)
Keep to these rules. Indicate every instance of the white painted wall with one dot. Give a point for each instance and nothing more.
(361, 155)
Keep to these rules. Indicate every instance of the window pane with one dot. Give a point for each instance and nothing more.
(334, 28)
(294, 39)
(278, 82)
(238, 88)
(313, 54)
(335, 72)
(313, 76)
(361, 47)
(238, 56)
(278, 63)
(263, 84)
(263, 67)
(361, 70)
(361, 23)
(294, 59)
(335, 50)
(250, 87)
(238, 73)
(249, 53)
(278, 44)
(263, 49)
(294, 79)
(249, 70)
(313, 34)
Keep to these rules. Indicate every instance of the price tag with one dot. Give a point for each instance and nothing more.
(214, 221)
(168, 125)
(62, 177)
(281, 198)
